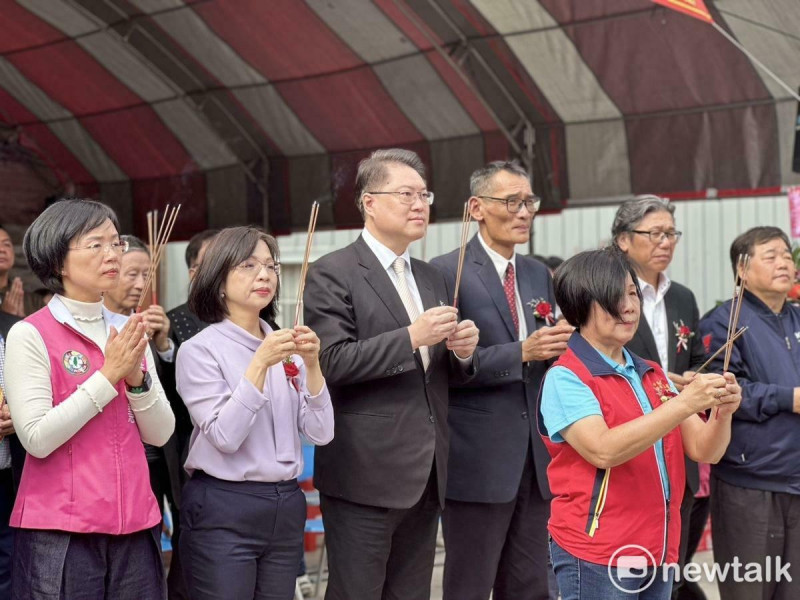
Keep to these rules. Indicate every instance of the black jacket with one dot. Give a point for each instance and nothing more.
(681, 306)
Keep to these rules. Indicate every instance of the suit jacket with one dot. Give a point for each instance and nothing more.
(390, 414)
(681, 306)
(17, 451)
(493, 417)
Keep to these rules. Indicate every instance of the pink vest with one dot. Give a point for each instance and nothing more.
(98, 481)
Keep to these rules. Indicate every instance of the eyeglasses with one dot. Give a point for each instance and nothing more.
(253, 266)
(115, 247)
(408, 198)
(657, 236)
(514, 203)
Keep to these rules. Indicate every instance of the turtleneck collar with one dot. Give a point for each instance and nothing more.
(83, 311)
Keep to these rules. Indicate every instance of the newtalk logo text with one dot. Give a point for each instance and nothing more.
(629, 571)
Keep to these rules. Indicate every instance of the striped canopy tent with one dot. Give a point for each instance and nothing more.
(246, 111)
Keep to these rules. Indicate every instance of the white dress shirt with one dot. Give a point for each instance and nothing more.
(501, 263)
(386, 258)
(655, 311)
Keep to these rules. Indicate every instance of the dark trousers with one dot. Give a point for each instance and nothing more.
(378, 553)
(753, 524)
(6, 532)
(58, 565)
(697, 524)
(162, 488)
(241, 540)
(498, 549)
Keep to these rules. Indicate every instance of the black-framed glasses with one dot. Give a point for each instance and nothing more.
(253, 266)
(657, 236)
(514, 203)
(408, 198)
(115, 247)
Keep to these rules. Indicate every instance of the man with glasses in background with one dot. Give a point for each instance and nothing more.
(497, 507)
(390, 340)
(644, 229)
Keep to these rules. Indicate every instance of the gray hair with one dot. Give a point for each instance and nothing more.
(631, 212)
(135, 244)
(372, 171)
(480, 180)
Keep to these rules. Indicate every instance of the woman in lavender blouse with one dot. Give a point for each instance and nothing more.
(251, 391)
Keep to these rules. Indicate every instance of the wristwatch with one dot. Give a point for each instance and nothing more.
(143, 387)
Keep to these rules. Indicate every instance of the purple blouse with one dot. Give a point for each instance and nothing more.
(241, 433)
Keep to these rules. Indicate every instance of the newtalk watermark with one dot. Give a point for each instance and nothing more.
(629, 572)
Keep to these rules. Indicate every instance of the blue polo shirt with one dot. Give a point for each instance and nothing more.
(566, 399)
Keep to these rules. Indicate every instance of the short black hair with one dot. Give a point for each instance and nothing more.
(746, 243)
(196, 244)
(592, 276)
(230, 247)
(47, 240)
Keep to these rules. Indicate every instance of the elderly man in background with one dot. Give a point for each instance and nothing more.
(11, 293)
(755, 488)
(495, 518)
(644, 229)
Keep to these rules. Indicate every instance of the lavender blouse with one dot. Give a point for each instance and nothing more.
(242, 433)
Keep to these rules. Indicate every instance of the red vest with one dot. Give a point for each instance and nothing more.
(595, 511)
(98, 481)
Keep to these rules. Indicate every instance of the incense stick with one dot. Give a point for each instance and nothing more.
(465, 222)
(164, 233)
(724, 346)
(741, 276)
(312, 225)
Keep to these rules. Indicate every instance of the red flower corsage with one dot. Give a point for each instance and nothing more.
(684, 334)
(292, 371)
(663, 390)
(542, 309)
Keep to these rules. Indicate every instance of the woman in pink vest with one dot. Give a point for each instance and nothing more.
(617, 430)
(251, 391)
(84, 396)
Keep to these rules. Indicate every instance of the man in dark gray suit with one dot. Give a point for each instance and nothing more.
(495, 518)
(644, 229)
(389, 340)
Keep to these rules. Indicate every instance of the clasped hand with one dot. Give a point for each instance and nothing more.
(280, 344)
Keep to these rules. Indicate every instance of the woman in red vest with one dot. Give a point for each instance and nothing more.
(617, 430)
(84, 395)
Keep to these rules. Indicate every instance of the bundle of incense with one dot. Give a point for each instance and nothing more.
(152, 227)
(465, 223)
(743, 264)
(312, 225)
(157, 250)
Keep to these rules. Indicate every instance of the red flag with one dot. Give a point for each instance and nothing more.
(693, 8)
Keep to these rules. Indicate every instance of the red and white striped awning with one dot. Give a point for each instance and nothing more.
(248, 110)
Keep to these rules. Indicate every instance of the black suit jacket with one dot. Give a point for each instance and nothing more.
(390, 414)
(17, 451)
(493, 417)
(681, 306)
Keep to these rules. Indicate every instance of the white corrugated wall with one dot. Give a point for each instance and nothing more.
(701, 259)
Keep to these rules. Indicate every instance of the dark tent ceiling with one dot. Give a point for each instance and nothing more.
(248, 110)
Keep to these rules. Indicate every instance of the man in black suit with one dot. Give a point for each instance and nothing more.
(644, 228)
(495, 518)
(390, 338)
(12, 459)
